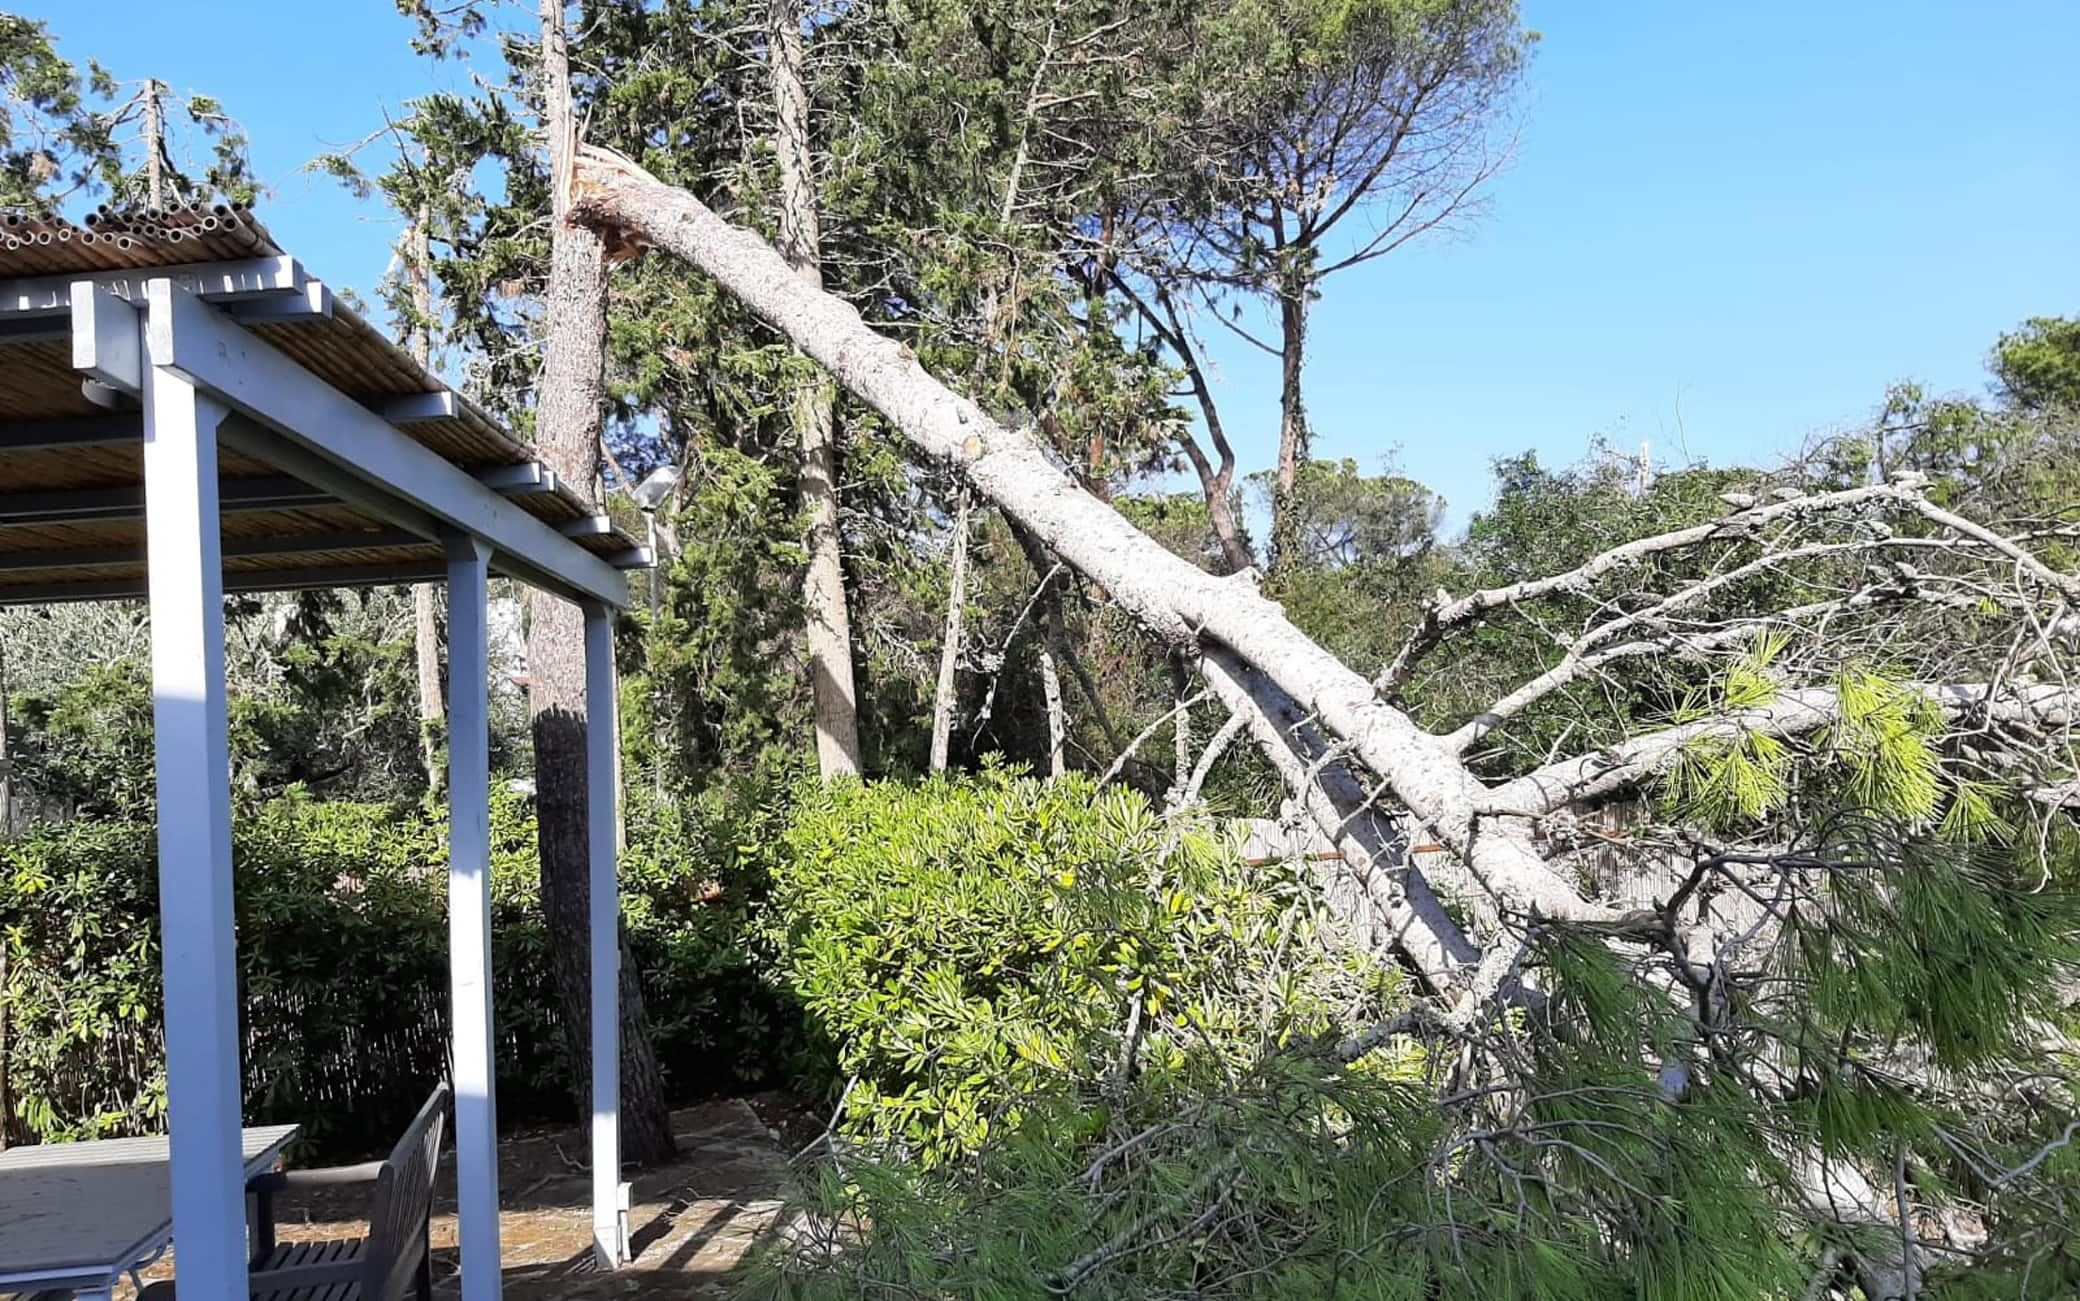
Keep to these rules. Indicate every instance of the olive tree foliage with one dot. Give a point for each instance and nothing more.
(322, 702)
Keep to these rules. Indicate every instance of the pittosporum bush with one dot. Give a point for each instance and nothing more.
(1054, 1016)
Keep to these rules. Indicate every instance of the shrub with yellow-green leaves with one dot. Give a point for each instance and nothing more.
(971, 947)
(1059, 1018)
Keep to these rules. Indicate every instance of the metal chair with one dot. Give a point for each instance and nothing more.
(391, 1263)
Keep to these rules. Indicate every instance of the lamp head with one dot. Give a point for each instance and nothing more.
(656, 486)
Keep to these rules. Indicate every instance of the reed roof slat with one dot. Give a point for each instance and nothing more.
(38, 383)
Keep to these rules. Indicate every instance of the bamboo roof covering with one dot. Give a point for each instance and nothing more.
(71, 450)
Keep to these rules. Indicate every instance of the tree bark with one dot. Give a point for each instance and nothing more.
(1382, 899)
(6, 764)
(944, 697)
(1181, 752)
(828, 620)
(1057, 722)
(567, 434)
(426, 645)
(426, 629)
(154, 143)
(1293, 439)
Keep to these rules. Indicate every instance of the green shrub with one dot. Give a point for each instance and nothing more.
(971, 945)
(1023, 982)
(343, 967)
(1088, 1051)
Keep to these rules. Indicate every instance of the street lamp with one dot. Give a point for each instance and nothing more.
(655, 487)
(649, 495)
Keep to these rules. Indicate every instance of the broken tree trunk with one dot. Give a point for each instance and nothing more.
(567, 432)
(1381, 898)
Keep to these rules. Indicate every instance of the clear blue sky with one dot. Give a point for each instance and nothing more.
(1729, 226)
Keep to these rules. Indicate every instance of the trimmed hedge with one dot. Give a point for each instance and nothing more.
(342, 961)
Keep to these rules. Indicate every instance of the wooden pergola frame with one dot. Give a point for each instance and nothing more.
(171, 358)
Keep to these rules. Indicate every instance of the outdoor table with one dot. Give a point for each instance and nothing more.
(80, 1216)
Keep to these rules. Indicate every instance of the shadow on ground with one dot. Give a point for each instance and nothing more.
(692, 1224)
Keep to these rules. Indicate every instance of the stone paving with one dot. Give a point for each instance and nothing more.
(692, 1224)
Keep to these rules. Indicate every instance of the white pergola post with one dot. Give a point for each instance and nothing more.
(602, 733)
(192, 753)
(469, 916)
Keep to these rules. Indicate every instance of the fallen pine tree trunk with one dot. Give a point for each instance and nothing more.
(1187, 608)
(1380, 884)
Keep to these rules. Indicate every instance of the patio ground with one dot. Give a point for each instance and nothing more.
(693, 1221)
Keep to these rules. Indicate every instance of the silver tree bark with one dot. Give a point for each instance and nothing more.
(426, 628)
(943, 696)
(153, 96)
(6, 786)
(1057, 723)
(1293, 439)
(827, 618)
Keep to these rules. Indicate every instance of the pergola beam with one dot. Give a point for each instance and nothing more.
(419, 408)
(75, 431)
(190, 337)
(293, 544)
(107, 345)
(313, 303)
(31, 329)
(519, 480)
(127, 502)
(259, 277)
(236, 580)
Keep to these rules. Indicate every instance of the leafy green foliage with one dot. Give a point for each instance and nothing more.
(50, 142)
(1087, 1051)
(65, 135)
(973, 946)
(87, 745)
(343, 968)
(2038, 364)
(1364, 557)
(326, 709)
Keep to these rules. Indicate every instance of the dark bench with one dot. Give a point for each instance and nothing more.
(391, 1263)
